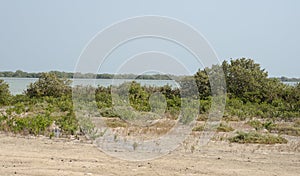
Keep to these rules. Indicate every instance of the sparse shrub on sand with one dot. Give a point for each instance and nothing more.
(224, 128)
(288, 130)
(198, 128)
(257, 138)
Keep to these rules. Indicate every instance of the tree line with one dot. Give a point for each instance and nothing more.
(286, 79)
(61, 74)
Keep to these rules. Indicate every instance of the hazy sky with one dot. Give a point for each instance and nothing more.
(50, 35)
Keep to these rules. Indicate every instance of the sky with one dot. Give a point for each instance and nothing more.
(50, 35)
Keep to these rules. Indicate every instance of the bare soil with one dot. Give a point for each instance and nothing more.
(43, 156)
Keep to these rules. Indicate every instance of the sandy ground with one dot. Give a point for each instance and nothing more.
(42, 156)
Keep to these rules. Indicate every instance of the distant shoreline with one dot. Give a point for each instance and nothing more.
(70, 75)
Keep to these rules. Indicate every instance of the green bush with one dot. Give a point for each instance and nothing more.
(103, 94)
(68, 123)
(257, 138)
(20, 98)
(288, 130)
(297, 123)
(114, 123)
(4, 93)
(139, 97)
(224, 128)
(36, 125)
(49, 85)
(255, 124)
(19, 108)
(205, 106)
(198, 128)
(108, 112)
(258, 125)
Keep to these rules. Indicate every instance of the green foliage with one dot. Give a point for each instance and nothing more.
(198, 128)
(202, 117)
(19, 108)
(21, 98)
(224, 128)
(139, 97)
(205, 105)
(36, 125)
(250, 94)
(68, 123)
(83, 94)
(114, 123)
(257, 138)
(35, 115)
(244, 79)
(258, 125)
(189, 111)
(236, 107)
(297, 123)
(288, 130)
(88, 128)
(64, 104)
(103, 97)
(49, 85)
(4, 93)
(108, 112)
(203, 85)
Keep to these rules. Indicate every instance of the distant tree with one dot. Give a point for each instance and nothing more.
(20, 74)
(210, 81)
(49, 85)
(4, 93)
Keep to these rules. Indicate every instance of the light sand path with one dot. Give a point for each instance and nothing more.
(41, 156)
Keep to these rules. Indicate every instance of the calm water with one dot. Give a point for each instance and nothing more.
(290, 83)
(18, 85)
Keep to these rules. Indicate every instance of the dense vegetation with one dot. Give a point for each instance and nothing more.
(4, 93)
(250, 93)
(47, 105)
